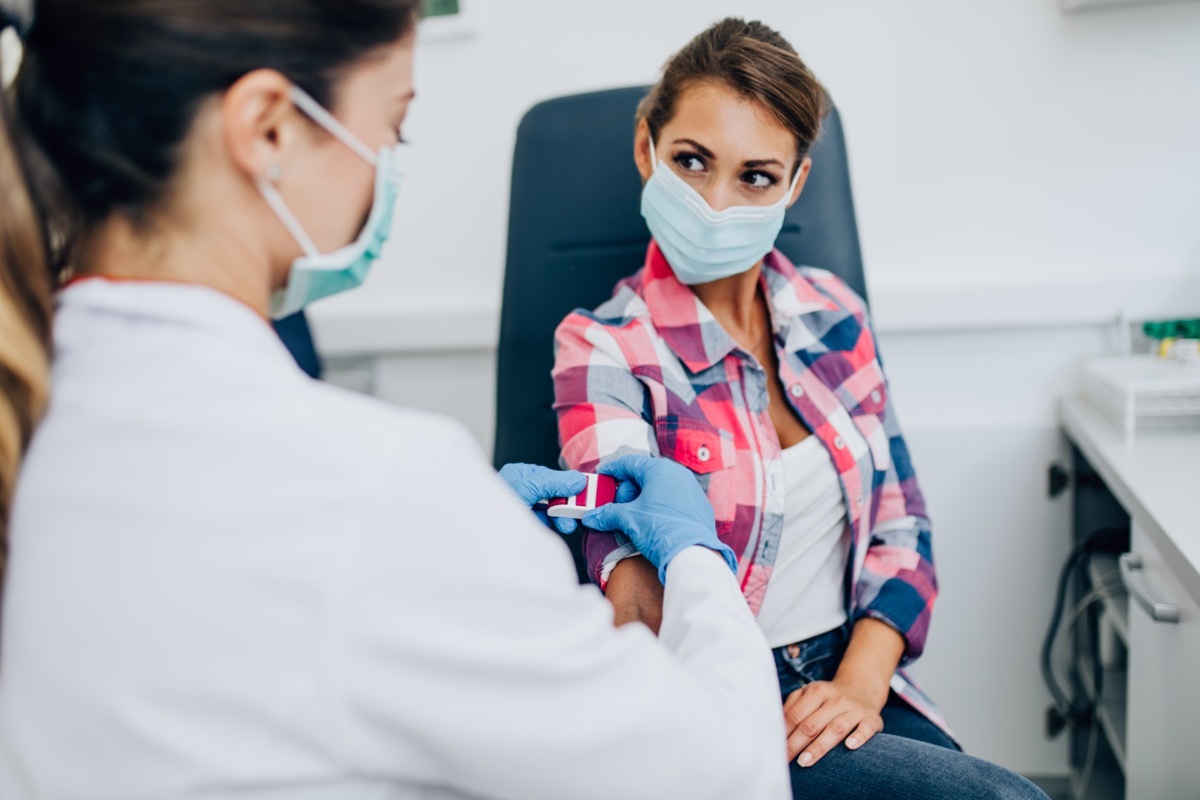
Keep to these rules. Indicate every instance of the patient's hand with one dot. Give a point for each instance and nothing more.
(636, 593)
(821, 715)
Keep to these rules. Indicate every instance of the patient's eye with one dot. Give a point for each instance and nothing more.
(690, 162)
(759, 180)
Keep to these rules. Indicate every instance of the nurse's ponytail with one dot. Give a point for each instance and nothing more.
(24, 297)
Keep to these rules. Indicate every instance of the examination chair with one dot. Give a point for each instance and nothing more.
(575, 229)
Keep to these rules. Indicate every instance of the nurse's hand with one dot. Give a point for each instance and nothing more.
(821, 715)
(661, 508)
(534, 484)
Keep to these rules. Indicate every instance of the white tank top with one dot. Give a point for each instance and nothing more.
(804, 593)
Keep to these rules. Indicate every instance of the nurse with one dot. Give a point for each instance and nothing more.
(225, 579)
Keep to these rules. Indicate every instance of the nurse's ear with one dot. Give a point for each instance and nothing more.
(641, 150)
(805, 168)
(260, 125)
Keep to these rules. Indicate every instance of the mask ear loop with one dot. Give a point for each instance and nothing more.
(795, 182)
(317, 113)
(275, 201)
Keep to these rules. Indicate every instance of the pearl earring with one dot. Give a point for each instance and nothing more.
(274, 172)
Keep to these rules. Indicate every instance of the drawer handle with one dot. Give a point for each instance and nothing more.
(1159, 612)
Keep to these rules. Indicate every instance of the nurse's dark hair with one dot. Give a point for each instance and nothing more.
(756, 62)
(94, 126)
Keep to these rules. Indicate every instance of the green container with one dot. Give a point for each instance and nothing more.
(1173, 329)
(441, 8)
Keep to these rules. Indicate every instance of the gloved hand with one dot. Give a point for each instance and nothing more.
(670, 512)
(534, 484)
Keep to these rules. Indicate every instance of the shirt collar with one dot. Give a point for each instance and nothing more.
(694, 334)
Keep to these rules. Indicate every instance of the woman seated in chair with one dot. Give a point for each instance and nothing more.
(763, 378)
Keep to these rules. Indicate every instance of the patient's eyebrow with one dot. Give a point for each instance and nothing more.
(752, 164)
(763, 162)
(704, 151)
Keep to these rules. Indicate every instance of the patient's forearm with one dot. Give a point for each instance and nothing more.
(871, 658)
(636, 593)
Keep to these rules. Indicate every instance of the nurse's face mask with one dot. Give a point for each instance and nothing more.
(700, 244)
(315, 275)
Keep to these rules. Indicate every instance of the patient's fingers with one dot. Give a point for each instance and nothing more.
(863, 733)
(821, 715)
(804, 717)
(832, 735)
(808, 729)
(801, 704)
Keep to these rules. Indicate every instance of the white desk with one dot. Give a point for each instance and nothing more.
(1153, 704)
(1156, 479)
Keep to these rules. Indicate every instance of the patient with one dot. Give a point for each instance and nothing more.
(763, 379)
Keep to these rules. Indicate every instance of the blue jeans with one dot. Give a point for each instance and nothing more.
(911, 760)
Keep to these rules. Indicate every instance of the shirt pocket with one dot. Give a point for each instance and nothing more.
(694, 443)
(710, 453)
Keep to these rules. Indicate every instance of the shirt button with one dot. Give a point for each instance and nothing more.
(797, 390)
(703, 454)
(876, 396)
(839, 444)
(858, 502)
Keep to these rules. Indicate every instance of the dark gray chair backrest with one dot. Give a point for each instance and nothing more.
(575, 228)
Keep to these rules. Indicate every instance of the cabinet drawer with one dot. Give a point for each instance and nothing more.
(1164, 690)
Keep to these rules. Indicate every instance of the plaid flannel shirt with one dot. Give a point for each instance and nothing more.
(651, 371)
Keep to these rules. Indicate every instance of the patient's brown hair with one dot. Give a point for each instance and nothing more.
(754, 61)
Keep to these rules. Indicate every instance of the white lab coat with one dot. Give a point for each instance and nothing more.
(229, 580)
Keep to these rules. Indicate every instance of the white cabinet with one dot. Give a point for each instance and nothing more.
(1163, 708)
(1149, 708)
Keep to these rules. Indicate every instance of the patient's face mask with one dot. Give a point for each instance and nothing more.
(316, 275)
(700, 244)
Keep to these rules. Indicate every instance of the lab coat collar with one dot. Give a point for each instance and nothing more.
(185, 305)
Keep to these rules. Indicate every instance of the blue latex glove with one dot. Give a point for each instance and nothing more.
(669, 513)
(534, 484)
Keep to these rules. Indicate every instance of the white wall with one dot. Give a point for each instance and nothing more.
(992, 141)
(1021, 178)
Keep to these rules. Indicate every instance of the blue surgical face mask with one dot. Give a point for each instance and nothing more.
(700, 244)
(316, 275)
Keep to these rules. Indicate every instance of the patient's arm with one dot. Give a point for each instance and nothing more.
(636, 593)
